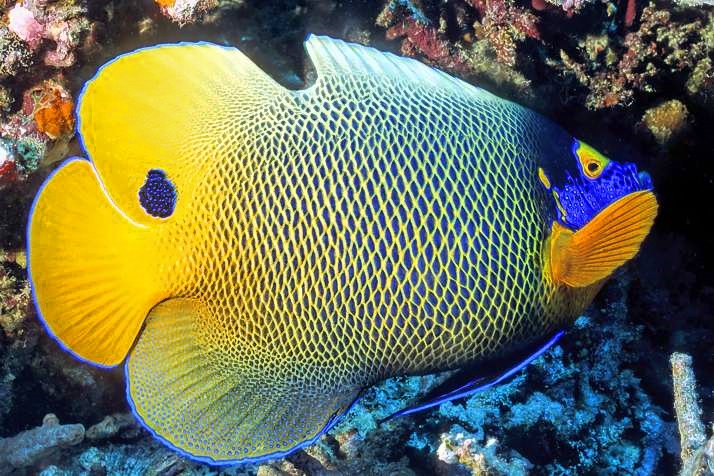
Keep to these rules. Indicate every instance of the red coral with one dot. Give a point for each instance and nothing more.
(630, 12)
(521, 23)
(8, 169)
(503, 25)
(428, 41)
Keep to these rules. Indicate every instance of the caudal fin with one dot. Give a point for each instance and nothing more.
(93, 271)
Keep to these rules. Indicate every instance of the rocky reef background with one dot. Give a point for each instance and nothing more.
(616, 396)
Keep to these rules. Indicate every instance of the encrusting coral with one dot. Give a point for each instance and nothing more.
(621, 68)
(32, 446)
(697, 453)
(666, 121)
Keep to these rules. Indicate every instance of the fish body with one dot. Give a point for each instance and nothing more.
(263, 255)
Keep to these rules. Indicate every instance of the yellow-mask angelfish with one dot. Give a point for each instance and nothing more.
(260, 256)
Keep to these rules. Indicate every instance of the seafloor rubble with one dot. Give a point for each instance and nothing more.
(633, 78)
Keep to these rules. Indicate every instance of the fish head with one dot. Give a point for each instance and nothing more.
(603, 210)
(589, 182)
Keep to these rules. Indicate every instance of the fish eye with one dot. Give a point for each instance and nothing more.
(158, 194)
(592, 168)
(592, 162)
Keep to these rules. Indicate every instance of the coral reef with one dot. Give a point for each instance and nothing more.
(615, 69)
(598, 403)
(38, 132)
(15, 57)
(48, 24)
(184, 12)
(502, 44)
(666, 121)
(420, 36)
(489, 34)
(14, 291)
(583, 394)
(22, 22)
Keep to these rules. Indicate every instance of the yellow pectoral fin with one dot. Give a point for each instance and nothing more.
(613, 237)
(93, 271)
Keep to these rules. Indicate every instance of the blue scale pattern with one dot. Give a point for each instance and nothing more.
(583, 198)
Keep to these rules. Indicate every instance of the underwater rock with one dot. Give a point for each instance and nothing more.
(123, 425)
(666, 121)
(697, 453)
(32, 446)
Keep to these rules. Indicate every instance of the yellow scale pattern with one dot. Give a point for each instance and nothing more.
(386, 220)
(360, 229)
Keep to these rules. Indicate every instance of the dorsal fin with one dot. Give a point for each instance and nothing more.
(177, 108)
(333, 57)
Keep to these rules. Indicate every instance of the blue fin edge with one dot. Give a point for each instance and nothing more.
(259, 459)
(467, 389)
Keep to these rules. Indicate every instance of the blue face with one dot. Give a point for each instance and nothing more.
(597, 183)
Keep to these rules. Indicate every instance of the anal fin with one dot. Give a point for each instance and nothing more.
(201, 400)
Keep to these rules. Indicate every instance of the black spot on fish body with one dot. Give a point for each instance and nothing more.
(158, 195)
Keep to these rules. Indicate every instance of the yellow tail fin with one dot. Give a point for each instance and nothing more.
(94, 272)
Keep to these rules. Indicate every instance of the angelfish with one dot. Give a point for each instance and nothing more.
(257, 256)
